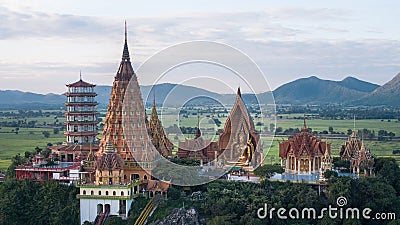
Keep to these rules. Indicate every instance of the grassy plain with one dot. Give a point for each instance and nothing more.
(28, 138)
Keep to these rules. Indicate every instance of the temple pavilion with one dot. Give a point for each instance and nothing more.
(239, 142)
(303, 153)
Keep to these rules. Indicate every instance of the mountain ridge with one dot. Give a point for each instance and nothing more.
(306, 90)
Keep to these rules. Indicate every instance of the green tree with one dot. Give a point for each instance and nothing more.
(330, 129)
(268, 170)
(46, 134)
(272, 127)
(15, 161)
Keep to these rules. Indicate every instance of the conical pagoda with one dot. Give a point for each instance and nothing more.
(239, 141)
(123, 165)
(127, 142)
(158, 136)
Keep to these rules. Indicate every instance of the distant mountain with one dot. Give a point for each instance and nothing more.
(358, 85)
(387, 94)
(312, 90)
(19, 97)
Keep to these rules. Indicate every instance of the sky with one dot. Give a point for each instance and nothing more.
(44, 44)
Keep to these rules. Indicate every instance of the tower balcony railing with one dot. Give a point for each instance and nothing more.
(132, 183)
(81, 102)
(81, 111)
(81, 133)
(80, 93)
(81, 122)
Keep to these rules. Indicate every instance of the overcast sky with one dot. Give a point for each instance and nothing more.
(45, 43)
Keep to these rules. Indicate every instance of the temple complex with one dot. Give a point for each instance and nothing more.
(237, 145)
(304, 153)
(239, 141)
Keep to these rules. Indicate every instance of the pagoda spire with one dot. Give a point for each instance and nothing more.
(154, 97)
(198, 131)
(125, 54)
(125, 70)
(239, 93)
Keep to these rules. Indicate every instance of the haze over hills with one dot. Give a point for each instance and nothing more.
(310, 90)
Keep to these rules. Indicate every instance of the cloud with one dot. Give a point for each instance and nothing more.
(286, 43)
(39, 24)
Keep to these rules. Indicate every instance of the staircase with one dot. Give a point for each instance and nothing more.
(150, 207)
(101, 219)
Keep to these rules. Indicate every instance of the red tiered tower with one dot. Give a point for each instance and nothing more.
(81, 115)
(81, 122)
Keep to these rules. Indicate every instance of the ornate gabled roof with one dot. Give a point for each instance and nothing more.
(303, 143)
(362, 157)
(81, 83)
(238, 119)
(239, 110)
(350, 147)
(110, 160)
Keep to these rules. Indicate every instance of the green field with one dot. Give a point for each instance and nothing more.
(28, 138)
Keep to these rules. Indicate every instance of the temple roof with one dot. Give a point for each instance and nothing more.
(81, 83)
(362, 157)
(350, 147)
(238, 120)
(155, 185)
(238, 111)
(110, 160)
(303, 143)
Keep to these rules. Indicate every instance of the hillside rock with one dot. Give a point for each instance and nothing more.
(180, 217)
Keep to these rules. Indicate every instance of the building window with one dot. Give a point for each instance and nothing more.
(114, 193)
(99, 192)
(84, 192)
(122, 193)
(91, 193)
(106, 192)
